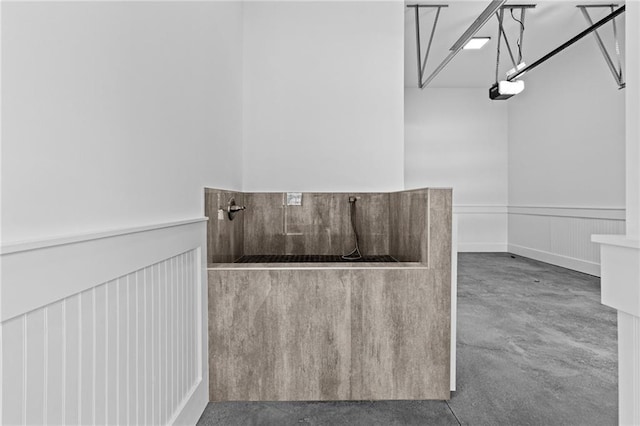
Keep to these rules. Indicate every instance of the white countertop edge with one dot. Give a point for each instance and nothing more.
(616, 240)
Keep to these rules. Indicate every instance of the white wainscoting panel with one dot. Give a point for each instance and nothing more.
(481, 228)
(131, 350)
(562, 235)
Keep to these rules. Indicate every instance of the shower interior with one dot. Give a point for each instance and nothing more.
(317, 227)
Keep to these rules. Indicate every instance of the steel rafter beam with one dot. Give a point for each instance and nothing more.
(482, 19)
(568, 43)
(617, 72)
(422, 63)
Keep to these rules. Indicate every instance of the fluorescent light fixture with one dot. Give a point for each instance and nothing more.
(506, 89)
(476, 42)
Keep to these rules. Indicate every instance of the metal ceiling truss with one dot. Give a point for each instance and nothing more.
(497, 7)
(422, 63)
(617, 72)
(568, 43)
(482, 19)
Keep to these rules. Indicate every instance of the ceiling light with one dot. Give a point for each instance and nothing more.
(476, 42)
(506, 89)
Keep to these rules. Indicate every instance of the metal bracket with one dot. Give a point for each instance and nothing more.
(502, 33)
(482, 19)
(617, 72)
(422, 63)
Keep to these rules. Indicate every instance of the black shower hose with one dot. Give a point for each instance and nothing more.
(355, 254)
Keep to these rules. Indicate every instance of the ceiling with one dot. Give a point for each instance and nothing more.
(547, 26)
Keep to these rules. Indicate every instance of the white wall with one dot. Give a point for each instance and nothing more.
(566, 159)
(114, 117)
(458, 138)
(566, 134)
(323, 96)
(117, 115)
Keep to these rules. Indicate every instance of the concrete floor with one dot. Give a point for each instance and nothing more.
(535, 347)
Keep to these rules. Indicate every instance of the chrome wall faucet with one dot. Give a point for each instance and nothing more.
(233, 208)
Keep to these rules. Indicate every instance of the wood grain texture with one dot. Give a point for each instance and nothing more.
(372, 222)
(408, 224)
(331, 334)
(225, 238)
(264, 223)
(279, 335)
(440, 214)
(401, 329)
(388, 223)
(321, 225)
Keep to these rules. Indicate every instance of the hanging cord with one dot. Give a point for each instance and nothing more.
(519, 41)
(499, 16)
(355, 254)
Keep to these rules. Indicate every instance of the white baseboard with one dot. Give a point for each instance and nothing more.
(189, 413)
(579, 265)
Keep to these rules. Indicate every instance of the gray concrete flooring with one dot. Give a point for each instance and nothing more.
(535, 347)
